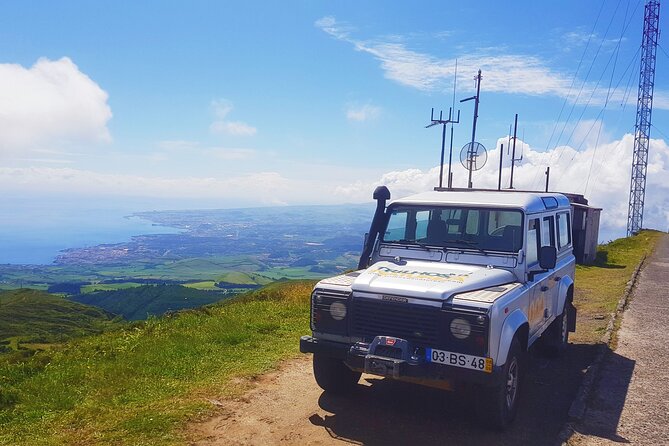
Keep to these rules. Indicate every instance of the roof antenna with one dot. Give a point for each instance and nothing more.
(513, 151)
(444, 122)
(472, 153)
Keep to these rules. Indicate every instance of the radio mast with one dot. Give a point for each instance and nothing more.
(644, 110)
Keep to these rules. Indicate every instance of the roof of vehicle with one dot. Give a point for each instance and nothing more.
(530, 202)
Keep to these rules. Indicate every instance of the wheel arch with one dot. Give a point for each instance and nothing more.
(515, 325)
(566, 293)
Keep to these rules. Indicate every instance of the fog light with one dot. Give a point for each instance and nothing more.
(460, 328)
(337, 311)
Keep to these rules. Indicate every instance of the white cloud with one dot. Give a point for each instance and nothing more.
(578, 38)
(221, 125)
(504, 73)
(362, 112)
(51, 102)
(68, 181)
(234, 128)
(602, 174)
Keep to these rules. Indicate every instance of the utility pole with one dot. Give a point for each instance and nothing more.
(444, 122)
(644, 110)
(471, 153)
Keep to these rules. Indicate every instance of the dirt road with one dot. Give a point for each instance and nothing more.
(287, 407)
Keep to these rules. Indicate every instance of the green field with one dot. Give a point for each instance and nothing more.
(199, 273)
(144, 301)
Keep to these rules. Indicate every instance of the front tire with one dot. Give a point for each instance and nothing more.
(333, 376)
(502, 402)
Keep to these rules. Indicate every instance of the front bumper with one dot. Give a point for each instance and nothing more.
(358, 358)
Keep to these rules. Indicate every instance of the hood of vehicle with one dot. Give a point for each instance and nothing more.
(428, 280)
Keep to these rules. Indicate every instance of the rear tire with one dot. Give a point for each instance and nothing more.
(333, 376)
(501, 403)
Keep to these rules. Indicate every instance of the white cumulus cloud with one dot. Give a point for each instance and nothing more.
(222, 125)
(601, 173)
(51, 102)
(362, 112)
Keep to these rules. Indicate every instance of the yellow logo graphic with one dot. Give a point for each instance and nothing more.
(384, 271)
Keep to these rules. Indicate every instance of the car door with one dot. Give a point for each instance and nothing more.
(549, 287)
(535, 286)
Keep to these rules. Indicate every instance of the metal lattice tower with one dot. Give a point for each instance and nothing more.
(644, 111)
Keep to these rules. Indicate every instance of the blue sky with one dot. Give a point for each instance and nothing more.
(220, 104)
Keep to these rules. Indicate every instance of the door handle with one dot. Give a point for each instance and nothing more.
(544, 288)
(557, 278)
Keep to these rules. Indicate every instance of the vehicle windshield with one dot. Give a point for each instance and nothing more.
(483, 229)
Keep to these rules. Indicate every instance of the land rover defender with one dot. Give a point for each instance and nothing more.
(452, 289)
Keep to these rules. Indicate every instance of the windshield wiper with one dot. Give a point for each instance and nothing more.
(469, 243)
(407, 242)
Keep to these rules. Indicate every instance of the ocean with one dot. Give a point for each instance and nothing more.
(33, 233)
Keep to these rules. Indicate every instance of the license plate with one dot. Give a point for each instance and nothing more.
(459, 360)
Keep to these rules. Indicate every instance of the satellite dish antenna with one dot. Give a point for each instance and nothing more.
(473, 156)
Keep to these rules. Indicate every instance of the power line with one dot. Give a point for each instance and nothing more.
(573, 81)
(662, 48)
(661, 132)
(626, 23)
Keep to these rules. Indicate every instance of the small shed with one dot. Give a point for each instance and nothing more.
(584, 229)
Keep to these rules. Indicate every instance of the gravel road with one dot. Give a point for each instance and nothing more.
(287, 407)
(630, 402)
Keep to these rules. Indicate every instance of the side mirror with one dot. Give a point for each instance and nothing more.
(547, 257)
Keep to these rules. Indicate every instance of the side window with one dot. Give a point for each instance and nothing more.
(564, 232)
(533, 241)
(548, 231)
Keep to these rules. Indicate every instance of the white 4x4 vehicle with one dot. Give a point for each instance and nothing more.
(452, 287)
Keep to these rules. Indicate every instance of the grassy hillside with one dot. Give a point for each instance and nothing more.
(38, 317)
(598, 287)
(139, 384)
(149, 300)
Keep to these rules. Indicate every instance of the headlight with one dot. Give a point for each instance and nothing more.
(460, 328)
(337, 311)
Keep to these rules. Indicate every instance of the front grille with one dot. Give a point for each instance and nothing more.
(418, 324)
(421, 325)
